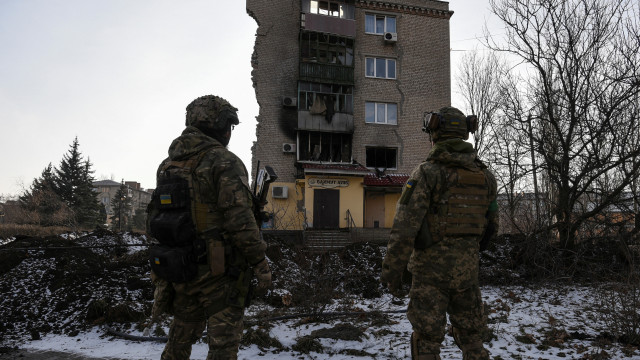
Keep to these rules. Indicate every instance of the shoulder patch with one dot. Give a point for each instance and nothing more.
(407, 191)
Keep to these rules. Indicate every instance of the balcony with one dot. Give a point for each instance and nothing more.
(329, 24)
(326, 73)
(340, 123)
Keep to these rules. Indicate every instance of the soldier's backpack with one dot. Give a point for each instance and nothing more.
(171, 222)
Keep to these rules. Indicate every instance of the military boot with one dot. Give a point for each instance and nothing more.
(475, 354)
(419, 352)
(471, 349)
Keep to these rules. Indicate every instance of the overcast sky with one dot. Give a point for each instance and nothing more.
(118, 74)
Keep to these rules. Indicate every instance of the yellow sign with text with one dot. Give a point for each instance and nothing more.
(328, 183)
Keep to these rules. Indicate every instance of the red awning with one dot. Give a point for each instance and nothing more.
(385, 180)
(355, 169)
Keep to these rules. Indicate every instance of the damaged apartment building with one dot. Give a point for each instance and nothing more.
(342, 88)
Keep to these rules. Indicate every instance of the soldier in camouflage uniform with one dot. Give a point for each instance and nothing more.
(447, 212)
(215, 299)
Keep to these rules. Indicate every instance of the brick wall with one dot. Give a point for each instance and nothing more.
(275, 73)
(423, 78)
(422, 84)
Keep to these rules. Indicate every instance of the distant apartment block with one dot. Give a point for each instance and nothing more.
(107, 189)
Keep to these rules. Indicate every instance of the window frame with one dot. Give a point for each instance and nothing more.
(377, 166)
(337, 49)
(387, 64)
(387, 27)
(334, 8)
(376, 107)
(342, 96)
(330, 145)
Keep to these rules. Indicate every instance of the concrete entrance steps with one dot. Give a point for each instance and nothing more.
(331, 239)
(325, 240)
(372, 235)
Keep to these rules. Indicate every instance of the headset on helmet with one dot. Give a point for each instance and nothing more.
(449, 122)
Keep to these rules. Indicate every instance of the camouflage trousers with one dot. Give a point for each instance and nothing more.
(427, 312)
(202, 304)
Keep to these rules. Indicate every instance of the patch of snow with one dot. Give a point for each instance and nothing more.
(7, 240)
(521, 319)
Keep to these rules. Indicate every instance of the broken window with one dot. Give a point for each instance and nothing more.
(340, 9)
(381, 157)
(324, 147)
(338, 96)
(326, 49)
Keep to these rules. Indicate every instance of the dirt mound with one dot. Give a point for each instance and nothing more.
(308, 279)
(64, 284)
(68, 283)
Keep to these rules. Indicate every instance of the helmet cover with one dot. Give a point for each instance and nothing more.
(211, 113)
(453, 124)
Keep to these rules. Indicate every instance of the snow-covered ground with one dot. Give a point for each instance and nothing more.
(102, 278)
(527, 323)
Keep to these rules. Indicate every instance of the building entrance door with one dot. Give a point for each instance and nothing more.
(326, 206)
(374, 210)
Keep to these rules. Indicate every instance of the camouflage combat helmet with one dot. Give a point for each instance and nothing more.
(449, 123)
(211, 114)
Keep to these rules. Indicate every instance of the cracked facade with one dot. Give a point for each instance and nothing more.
(342, 87)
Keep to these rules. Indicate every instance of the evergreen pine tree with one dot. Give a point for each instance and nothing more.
(121, 205)
(45, 181)
(89, 205)
(139, 220)
(42, 204)
(74, 184)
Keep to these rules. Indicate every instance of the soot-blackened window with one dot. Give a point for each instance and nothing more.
(381, 157)
(324, 147)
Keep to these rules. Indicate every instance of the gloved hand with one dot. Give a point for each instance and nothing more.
(162, 296)
(162, 301)
(263, 274)
(393, 281)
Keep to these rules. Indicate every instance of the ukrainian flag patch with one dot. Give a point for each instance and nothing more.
(156, 261)
(407, 191)
(165, 199)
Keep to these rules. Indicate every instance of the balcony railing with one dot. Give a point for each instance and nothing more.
(326, 73)
(329, 24)
(341, 122)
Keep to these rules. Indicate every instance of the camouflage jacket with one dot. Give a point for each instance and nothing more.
(221, 182)
(451, 261)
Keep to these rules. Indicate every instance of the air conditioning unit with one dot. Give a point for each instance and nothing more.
(390, 37)
(289, 148)
(289, 101)
(279, 192)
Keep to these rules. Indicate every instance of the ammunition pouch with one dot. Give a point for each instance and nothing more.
(171, 223)
(215, 256)
(173, 264)
(173, 228)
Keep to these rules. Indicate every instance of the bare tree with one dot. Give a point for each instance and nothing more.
(479, 84)
(487, 87)
(582, 59)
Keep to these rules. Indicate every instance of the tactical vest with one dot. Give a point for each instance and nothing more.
(458, 210)
(177, 220)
